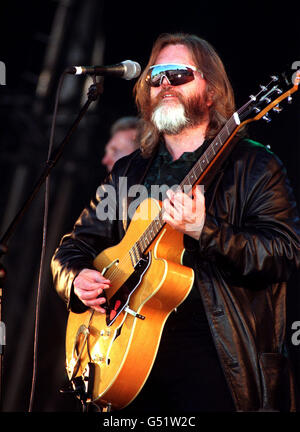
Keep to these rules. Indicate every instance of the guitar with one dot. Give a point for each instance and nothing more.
(109, 356)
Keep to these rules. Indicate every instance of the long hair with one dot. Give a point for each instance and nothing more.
(218, 87)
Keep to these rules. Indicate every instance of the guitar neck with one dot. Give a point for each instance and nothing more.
(210, 154)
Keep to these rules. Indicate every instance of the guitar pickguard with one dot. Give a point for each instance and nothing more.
(120, 300)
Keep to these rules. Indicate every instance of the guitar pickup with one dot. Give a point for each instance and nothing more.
(133, 313)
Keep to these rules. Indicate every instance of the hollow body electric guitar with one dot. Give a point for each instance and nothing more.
(109, 356)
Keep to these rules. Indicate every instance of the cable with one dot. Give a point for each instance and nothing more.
(43, 252)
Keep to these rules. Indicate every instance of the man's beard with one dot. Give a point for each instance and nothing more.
(171, 119)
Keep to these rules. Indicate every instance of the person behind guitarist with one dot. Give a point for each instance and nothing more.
(122, 140)
(223, 348)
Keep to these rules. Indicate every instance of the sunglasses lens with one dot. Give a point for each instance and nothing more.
(176, 75)
(180, 76)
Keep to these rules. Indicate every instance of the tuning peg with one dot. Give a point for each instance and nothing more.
(277, 108)
(268, 100)
(263, 88)
(290, 99)
(257, 110)
(274, 78)
(267, 118)
(278, 91)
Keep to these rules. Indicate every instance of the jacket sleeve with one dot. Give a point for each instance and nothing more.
(263, 242)
(93, 232)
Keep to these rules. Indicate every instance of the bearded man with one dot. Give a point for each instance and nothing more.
(223, 348)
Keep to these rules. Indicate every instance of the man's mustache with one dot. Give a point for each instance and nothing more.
(161, 95)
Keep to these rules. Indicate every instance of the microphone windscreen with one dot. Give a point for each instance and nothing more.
(132, 69)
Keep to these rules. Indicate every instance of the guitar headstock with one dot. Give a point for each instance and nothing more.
(279, 89)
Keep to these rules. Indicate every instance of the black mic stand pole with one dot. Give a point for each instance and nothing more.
(94, 91)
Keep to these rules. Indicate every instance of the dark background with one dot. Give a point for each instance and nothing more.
(38, 40)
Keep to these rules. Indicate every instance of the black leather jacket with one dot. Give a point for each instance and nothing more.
(249, 246)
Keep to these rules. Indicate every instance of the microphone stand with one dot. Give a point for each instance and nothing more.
(93, 92)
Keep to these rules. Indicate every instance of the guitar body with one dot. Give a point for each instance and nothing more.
(122, 350)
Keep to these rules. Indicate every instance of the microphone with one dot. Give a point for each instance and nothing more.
(127, 70)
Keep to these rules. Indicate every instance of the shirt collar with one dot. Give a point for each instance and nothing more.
(193, 156)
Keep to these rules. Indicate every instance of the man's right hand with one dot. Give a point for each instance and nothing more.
(88, 285)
